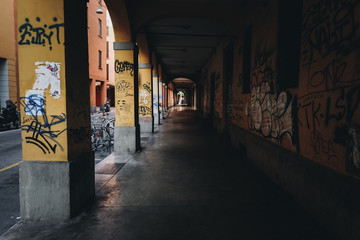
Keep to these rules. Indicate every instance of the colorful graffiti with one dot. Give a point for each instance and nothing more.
(43, 128)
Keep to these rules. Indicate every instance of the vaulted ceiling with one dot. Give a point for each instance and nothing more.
(183, 34)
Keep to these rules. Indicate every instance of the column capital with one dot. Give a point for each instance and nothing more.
(124, 45)
(145, 65)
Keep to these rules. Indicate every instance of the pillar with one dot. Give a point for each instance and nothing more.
(57, 169)
(92, 95)
(146, 118)
(161, 107)
(127, 128)
(195, 97)
(155, 80)
(103, 94)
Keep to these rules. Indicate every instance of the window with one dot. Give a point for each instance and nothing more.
(99, 28)
(107, 72)
(107, 49)
(100, 59)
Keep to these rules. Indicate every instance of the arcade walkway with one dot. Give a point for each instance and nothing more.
(186, 183)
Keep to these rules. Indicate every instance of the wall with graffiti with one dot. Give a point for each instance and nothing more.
(314, 113)
(42, 82)
(329, 90)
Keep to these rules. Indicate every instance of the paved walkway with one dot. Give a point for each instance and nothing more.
(186, 183)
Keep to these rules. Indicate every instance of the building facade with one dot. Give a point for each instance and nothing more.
(8, 54)
(110, 76)
(97, 35)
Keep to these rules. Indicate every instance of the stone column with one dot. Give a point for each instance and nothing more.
(145, 98)
(103, 94)
(155, 80)
(92, 95)
(161, 107)
(127, 128)
(57, 171)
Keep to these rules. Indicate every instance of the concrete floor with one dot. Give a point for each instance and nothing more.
(186, 183)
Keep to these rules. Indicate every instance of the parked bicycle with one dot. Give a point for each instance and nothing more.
(102, 137)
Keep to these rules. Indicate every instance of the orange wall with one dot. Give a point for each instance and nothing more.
(8, 43)
(96, 42)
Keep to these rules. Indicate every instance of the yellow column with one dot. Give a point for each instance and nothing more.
(161, 107)
(145, 98)
(127, 129)
(155, 80)
(53, 76)
(41, 52)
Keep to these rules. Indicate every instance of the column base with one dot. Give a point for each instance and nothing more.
(102, 108)
(156, 118)
(56, 190)
(147, 124)
(92, 109)
(126, 139)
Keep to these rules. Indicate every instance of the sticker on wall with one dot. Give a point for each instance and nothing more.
(47, 76)
(48, 73)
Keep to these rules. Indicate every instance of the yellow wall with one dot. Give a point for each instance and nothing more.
(42, 59)
(124, 88)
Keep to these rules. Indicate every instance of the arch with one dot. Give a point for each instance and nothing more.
(120, 20)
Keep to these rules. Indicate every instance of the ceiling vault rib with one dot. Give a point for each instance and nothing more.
(171, 47)
(191, 35)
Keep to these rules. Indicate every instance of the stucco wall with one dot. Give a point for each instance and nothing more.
(8, 78)
(318, 118)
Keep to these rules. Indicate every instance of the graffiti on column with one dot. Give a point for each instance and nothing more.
(147, 88)
(125, 88)
(40, 34)
(124, 92)
(145, 103)
(125, 66)
(155, 100)
(144, 97)
(144, 110)
(41, 129)
(122, 106)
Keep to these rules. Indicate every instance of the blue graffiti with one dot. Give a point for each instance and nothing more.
(41, 124)
(155, 103)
